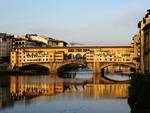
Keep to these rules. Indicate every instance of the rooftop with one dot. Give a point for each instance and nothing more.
(88, 47)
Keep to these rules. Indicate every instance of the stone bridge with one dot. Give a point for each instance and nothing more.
(53, 58)
(96, 67)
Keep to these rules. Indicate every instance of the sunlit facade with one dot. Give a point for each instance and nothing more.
(61, 54)
(136, 44)
(144, 26)
(6, 42)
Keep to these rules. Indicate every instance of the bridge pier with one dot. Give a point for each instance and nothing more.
(52, 70)
(96, 68)
(96, 78)
(52, 67)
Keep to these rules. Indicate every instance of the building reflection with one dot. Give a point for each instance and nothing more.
(5, 97)
(31, 86)
(22, 87)
(106, 90)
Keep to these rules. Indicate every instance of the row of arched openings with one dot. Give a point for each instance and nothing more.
(75, 57)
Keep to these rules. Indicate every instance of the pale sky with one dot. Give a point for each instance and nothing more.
(100, 22)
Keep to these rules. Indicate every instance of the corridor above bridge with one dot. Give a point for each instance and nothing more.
(59, 56)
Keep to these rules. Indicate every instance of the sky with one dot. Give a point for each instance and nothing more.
(94, 22)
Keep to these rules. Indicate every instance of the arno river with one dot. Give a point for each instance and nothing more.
(52, 94)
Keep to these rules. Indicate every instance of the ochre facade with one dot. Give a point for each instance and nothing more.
(144, 26)
(93, 56)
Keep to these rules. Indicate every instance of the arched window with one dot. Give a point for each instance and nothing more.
(70, 56)
(78, 56)
(84, 57)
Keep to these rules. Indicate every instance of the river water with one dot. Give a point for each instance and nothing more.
(52, 94)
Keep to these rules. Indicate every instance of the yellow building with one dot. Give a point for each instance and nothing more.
(111, 54)
(61, 54)
(136, 44)
(144, 26)
(28, 55)
(6, 44)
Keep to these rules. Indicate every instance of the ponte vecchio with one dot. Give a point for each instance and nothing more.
(95, 58)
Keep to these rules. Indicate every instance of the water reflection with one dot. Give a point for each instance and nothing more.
(119, 77)
(5, 96)
(25, 88)
(107, 90)
(80, 74)
(30, 86)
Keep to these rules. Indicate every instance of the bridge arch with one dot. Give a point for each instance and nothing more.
(33, 68)
(75, 56)
(70, 56)
(132, 65)
(84, 56)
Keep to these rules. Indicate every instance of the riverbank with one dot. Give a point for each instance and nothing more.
(139, 93)
(4, 69)
(4, 66)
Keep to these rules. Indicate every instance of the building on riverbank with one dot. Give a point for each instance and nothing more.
(144, 26)
(48, 41)
(61, 55)
(136, 44)
(9, 43)
(6, 45)
(34, 40)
